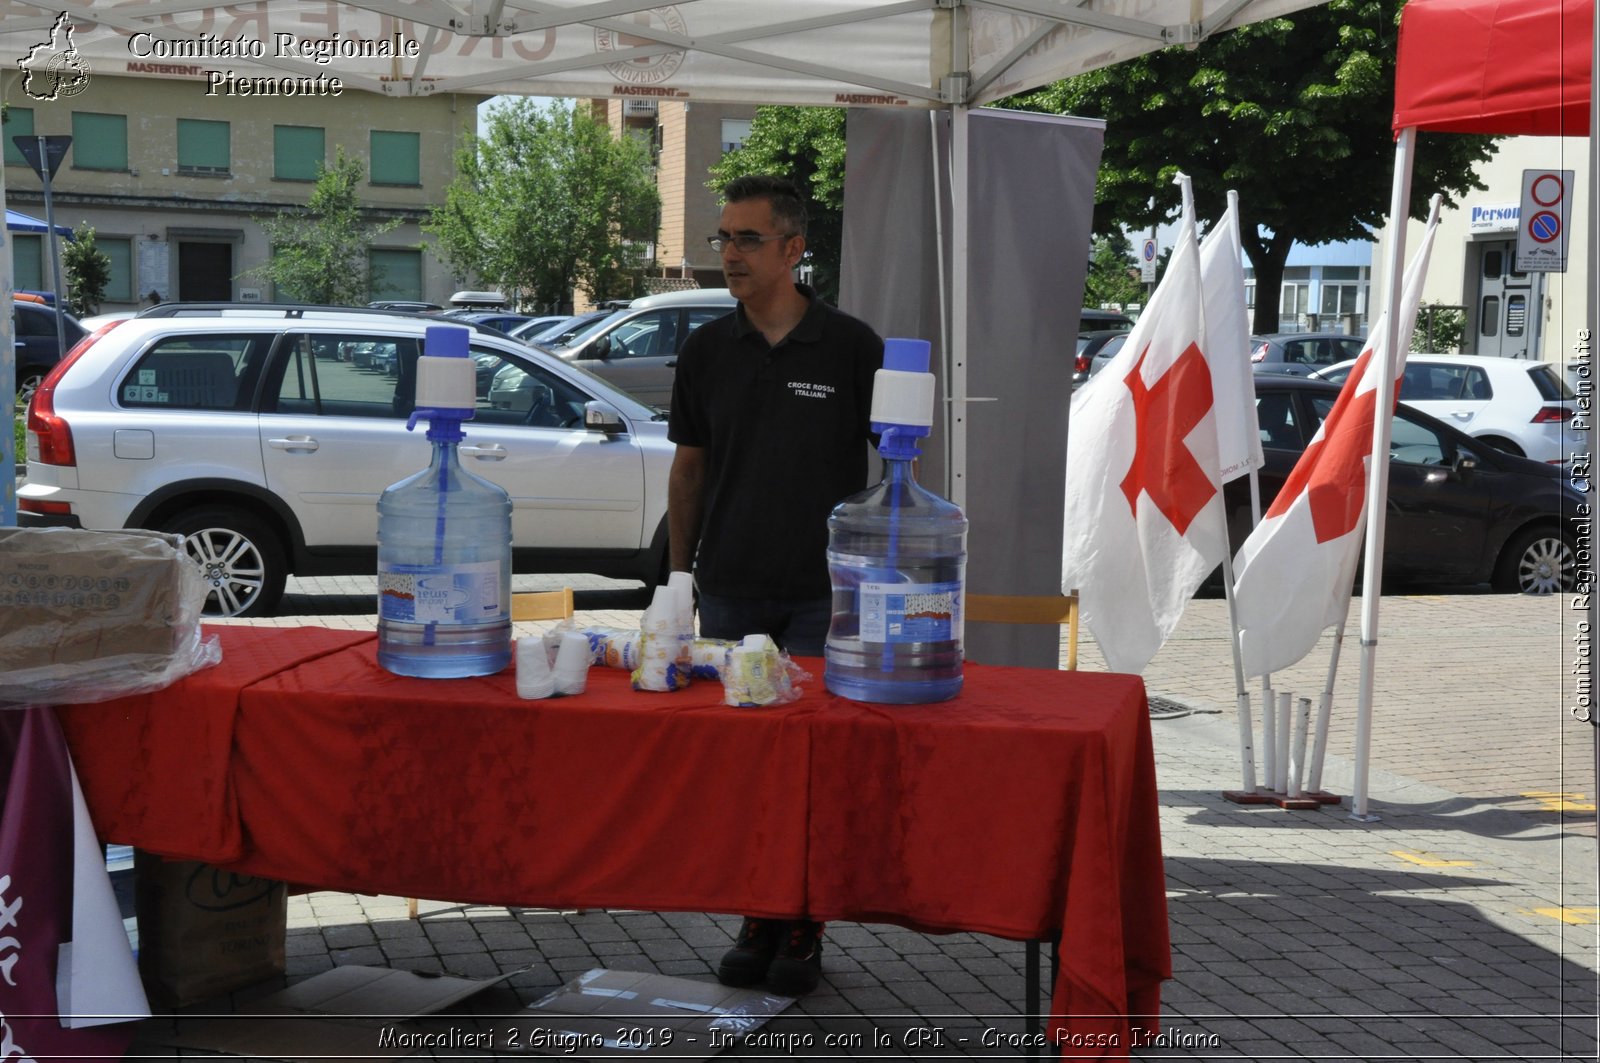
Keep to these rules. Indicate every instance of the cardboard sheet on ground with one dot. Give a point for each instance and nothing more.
(629, 1012)
(348, 1012)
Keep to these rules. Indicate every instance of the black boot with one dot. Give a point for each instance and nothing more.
(746, 963)
(797, 967)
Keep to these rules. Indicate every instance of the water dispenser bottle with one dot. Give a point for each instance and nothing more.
(444, 538)
(897, 557)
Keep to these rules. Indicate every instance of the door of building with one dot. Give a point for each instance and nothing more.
(1507, 309)
(205, 271)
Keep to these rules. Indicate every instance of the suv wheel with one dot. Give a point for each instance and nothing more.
(239, 557)
(28, 381)
(1536, 561)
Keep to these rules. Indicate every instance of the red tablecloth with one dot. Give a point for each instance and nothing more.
(1025, 806)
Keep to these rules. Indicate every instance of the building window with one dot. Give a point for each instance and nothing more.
(735, 131)
(396, 158)
(203, 147)
(1296, 299)
(19, 123)
(27, 261)
(119, 285)
(298, 152)
(396, 273)
(99, 141)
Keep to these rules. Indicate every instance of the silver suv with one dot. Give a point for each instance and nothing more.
(637, 348)
(266, 438)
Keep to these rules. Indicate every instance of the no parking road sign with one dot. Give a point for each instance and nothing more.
(1543, 222)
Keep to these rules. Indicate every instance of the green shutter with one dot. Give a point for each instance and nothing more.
(203, 146)
(19, 123)
(119, 285)
(99, 141)
(396, 273)
(396, 158)
(27, 262)
(297, 151)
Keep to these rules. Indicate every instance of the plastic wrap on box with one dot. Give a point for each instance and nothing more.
(93, 615)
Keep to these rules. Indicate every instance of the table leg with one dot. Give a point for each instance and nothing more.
(1034, 1015)
(1030, 987)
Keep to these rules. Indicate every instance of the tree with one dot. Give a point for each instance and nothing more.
(319, 255)
(1293, 112)
(1112, 277)
(548, 202)
(806, 145)
(88, 271)
(1440, 329)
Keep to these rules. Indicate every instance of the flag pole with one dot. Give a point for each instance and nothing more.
(1241, 696)
(1378, 475)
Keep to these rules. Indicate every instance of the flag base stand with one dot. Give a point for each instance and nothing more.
(1305, 800)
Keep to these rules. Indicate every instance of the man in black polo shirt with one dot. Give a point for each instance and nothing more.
(770, 411)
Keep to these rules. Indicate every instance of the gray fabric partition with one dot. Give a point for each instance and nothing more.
(1030, 197)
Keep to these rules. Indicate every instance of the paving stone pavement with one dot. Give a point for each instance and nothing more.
(1458, 922)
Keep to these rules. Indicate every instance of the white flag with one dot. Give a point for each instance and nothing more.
(1144, 518)
(1297, 568)
(1227, 346)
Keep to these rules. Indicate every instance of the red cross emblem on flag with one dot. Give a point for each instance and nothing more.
(1164, 414)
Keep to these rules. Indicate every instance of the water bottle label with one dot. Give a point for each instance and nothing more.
(468, 593)
(910, 612)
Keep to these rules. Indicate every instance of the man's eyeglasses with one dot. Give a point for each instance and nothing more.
(746, 242)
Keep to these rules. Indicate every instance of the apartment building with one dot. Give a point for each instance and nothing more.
(175, 180)
(687, 139)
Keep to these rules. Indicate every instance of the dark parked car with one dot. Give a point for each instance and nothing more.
(1089, 345)
(1301, 353)
(501, 320)
(1460, 512)
(38, 348)
(1092, 320)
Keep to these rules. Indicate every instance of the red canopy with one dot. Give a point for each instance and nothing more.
(1495, 66)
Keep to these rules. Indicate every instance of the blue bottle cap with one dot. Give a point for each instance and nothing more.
(906, 355)
(446, 341)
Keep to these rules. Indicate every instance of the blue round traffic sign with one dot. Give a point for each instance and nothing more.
(1544, 226)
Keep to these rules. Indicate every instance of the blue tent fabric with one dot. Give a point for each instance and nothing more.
(18, 222)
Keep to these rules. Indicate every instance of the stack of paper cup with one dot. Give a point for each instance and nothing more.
(533, 669)
(681, 584)
(571, 671)
(665, 639)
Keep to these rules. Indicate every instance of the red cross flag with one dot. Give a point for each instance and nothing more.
(1144, 517)
(1297, 569)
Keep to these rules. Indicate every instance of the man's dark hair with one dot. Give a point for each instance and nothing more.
(788, 205)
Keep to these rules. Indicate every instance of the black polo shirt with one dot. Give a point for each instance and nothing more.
(785, 430)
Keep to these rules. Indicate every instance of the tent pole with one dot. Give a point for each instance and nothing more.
(1378, 475)
(956, 474)
(940, 223)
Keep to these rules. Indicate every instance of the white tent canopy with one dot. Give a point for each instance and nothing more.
(878, 53)
(919, 53)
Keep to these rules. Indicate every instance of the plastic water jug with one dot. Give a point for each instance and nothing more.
(444, 539)
(897, 557)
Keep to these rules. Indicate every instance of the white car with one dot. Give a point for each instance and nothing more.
(250, 433)
(1518, 406)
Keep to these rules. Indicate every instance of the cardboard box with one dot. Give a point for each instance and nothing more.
(101, 593)
(79, 607)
